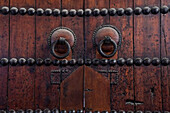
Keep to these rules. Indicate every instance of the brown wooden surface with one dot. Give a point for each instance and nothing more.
(72, 91)
(97, 90)
(4, 42)
(147, 44)
(46, 94)
(133, 88)
(122, 91)
(90, 25)
(22, 44)
(165, 52)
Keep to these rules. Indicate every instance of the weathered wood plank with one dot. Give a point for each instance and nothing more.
(4, 42)
(165, 52)
(122, 92)
(147, 44)
(22, 44)
(46, 94)
(75, 98)
(91, 52)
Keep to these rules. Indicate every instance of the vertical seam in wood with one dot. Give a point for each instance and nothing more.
(161, 54)
(35, 55)
(8, 56)
(133, 57)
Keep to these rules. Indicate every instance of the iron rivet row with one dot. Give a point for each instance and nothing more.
(64, 62)
(74, 111)
(87, 12)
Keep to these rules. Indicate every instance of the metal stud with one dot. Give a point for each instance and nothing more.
(166, 112)
(138, 61)
(38, 111)
(5, 10)
(146, 10)
(121, 61)
(113, 111)
(146, 61)
(11, 111)
(96, 12)
(13, 61)
(104, 12)
(40, 11)
(39, 61)
(155, 10)
(48, 12)
(30, 61)
(121, 111)
(112, 62)
(96, 111)
(128, 11)
(165, 61)
(120, 11)
(112, 11)
(72, 62)
(56, 62)
(80, 12)
(64, 62)
(72, 111)
(72, 12)
(155, 61)
(157, 112)
(20, 111)
(129, 62)
(87, 12)
(31, 11)
(47, 61)
(164, 9)
(137, 11)
(63, 111)
(4, 61)
(104, 62)
(80, 111)
(88, 62)
(130, 112)
(55, 110)
(104, 112)
(148, 111)
(47, 110)
(80, 62)
(64, 12)
(22, 61)
(96, 62)
(2, 111)
(89, 111)
(22, 11)
(56, 12)
(139, 111)
(14, 10)
(29, 111)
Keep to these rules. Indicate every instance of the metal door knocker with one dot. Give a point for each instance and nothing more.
(61, 41)
(107, 38)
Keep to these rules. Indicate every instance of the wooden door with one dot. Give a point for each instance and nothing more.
(135, 78)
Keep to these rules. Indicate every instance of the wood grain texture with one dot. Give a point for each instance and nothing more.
(122, 92)
(90, 25)
(22, 44)
(165, 52)
(76, 25)
(97, 91)
(147, 44)
(46, 94)
(4, 42)
(72, 91)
